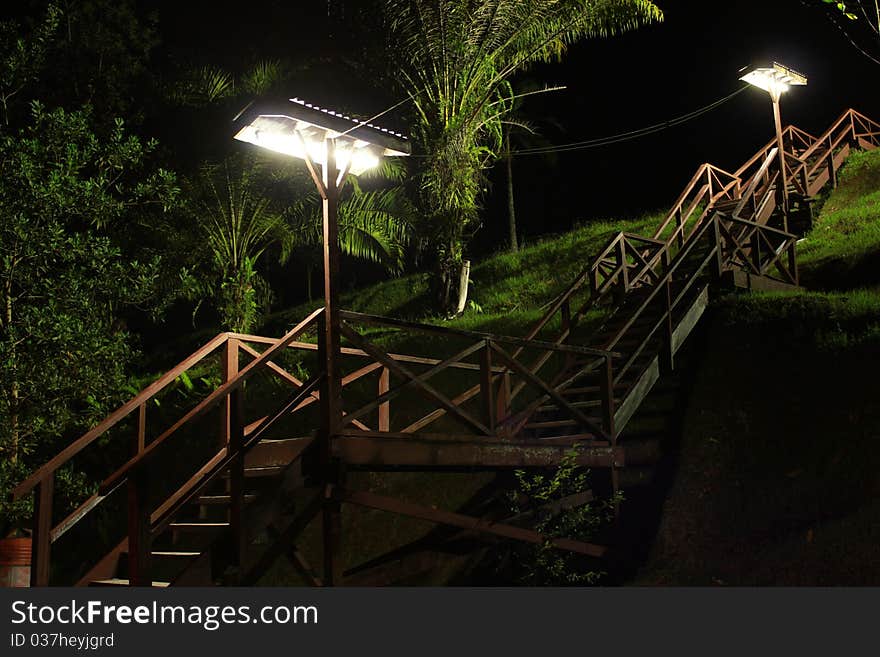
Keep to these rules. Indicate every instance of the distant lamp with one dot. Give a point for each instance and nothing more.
(776, 79)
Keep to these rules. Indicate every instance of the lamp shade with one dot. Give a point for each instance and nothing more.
(294, 127)
(774, 79)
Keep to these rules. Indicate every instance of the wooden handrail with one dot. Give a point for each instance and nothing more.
(117, 416)
(750, 191)
(210, 401)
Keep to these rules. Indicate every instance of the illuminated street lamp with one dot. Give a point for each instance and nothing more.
(776, 79)
(333, 146)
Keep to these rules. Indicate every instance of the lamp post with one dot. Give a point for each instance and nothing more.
(333, 146)
(776, 80)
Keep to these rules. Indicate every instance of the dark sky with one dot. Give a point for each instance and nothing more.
(613, 85)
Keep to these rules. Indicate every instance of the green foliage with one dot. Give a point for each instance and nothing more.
(22, 57)
(230, 221)
(207, 85)
(841, 6)
(828, 321)
(63, 280)
(457, 58)
(373, 225)
(242, 207)
(848, 228)
(548, 502)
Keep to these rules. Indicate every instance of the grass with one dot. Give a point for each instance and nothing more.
(844, 244)
(508, 290)
(776, 480)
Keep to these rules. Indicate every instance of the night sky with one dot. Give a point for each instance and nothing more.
(615, 85)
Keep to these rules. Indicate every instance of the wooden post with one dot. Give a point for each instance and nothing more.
(502, 399)
(719, 254)
(565, 312)
(783, 174)
(331, 388)
(141, 435)
(41, 540)
(668, 358)
(679, 223)
(236, 479)
(487, 392)
(608, 404)
(565, 320)
(832, 172)
(384, 408)
(755, 252)
(139, 535)
(230, 371)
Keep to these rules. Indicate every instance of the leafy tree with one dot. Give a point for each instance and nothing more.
(457, 58)
(22, 57)
(241, 208)
(101, 56)
(64, 352)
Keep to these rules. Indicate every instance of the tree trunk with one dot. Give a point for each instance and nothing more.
(511, 206)
(14, 389)
(463, 287)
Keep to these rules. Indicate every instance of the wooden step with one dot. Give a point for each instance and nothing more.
(118, 581)
(214, 500)
(267, 471)
(591, 403)
(554, 424)
(198, 527)
(587, 390)
(165, 564)
(588, 439)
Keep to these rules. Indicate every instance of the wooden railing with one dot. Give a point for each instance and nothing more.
(487, 408)
(238, 434)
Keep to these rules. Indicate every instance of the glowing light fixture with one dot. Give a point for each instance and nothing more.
(774, 79)
(297, 128)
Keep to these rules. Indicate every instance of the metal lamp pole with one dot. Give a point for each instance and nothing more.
(775, 96)
(329, 183)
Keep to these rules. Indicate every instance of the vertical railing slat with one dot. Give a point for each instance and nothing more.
(384, 408)
(41, 540)
(487, 393)
(139, 535)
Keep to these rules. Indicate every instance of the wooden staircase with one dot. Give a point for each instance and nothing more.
(479, 401)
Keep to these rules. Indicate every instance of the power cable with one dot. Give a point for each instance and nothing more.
(628, 136)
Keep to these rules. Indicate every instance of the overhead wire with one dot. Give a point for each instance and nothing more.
(628, 136)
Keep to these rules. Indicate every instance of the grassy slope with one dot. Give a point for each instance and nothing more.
(509, 289)
(777, 479)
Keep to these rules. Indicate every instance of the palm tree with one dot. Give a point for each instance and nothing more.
(240, 209)
(457, 58)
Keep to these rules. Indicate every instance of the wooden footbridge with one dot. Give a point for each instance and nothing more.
(223, 491)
